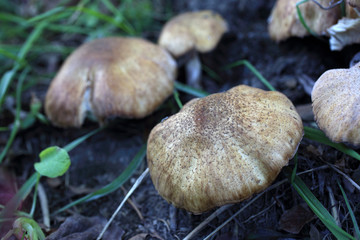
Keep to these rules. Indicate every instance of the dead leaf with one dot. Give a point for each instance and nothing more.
(84, 228)
(293, 220)
(140, 236)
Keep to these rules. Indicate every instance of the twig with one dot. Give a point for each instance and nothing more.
(344, 175)
(333, 206)
(206, 221)
(44, 206)
(133, 188)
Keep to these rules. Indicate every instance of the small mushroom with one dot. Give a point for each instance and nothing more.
(223, 148)
(336, 104)
(109, 77)
(284, 21)
(192, 32)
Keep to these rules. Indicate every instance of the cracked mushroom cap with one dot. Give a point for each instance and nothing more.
(200, 30)
(284, 21)
(125, 77)
(223, 148)
(336, 104)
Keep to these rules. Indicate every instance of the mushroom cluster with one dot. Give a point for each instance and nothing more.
(336, 104)
(117, 76)
(223, 148)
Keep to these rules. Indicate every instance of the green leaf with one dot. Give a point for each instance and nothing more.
(27, 228)
(54, 162)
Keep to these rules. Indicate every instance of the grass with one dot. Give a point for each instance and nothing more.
(19, 57)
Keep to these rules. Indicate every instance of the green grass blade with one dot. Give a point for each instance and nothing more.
(79, 140)
(318, 136)
(189, 90)
(319, 209)
(7, 78)
(107, 19)
(24, 191)
(17, 123)
(46, 15)
(253, 70)
(352, 215)
(114, 185)
(177, 98)
(13, 18)
(302, 20)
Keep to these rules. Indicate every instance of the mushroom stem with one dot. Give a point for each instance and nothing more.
(193, 71)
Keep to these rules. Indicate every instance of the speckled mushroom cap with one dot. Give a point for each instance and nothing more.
(284, 21)
(223, 148)
(125, 77)
(336, 104)
(200, 30)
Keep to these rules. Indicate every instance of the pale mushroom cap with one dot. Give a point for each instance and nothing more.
(200, 30)
(125, 77)
(336, 104)
(223, 148)
(284, 21)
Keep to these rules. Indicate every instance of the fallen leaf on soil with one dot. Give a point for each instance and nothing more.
(84, 228)
(140, 236)
(294, 219)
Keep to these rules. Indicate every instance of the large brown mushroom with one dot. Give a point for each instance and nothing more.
(223, 148)
(336, 104)
(116, 76)
(192, 32)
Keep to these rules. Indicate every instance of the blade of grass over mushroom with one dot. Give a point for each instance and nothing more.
(114, 185)
(9, 75)
(351, 212)
(316, 206)
(302, 20)
(318, 136)
(253, 70)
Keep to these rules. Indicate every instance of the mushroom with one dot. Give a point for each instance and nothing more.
(115, 76)
(284, 20)
(223, 148)
(336, 104)
(189, 33)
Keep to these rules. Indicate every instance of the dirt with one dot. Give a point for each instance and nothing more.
(104, 156)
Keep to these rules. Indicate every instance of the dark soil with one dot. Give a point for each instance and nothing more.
(104, 156)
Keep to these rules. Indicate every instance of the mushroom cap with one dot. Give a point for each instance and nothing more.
(125, 77)
(336, 104)
(223, 148)
(284, 21)
(201, 30)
